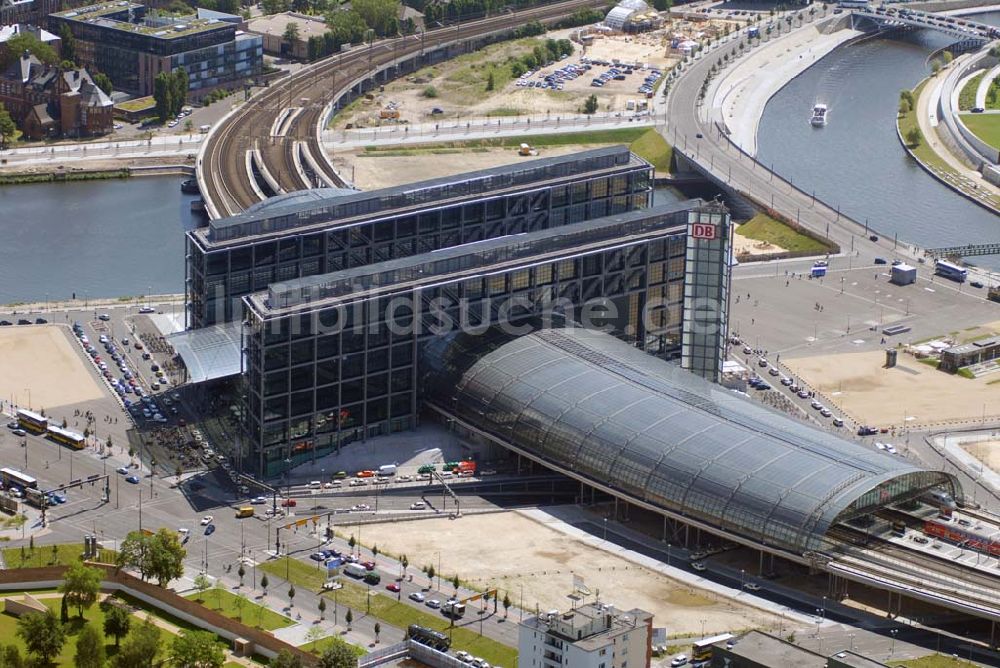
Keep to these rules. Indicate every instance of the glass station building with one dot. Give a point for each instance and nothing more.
(317, 232)
(336, 358)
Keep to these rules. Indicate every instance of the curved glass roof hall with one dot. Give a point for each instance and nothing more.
(605, 411)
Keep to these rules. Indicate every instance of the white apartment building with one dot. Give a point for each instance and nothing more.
(591, 636)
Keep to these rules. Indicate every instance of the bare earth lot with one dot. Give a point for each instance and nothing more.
(461, 92)
(518, 551)
(382, 171)
(988, 452)
(861, 388)
(40, 360)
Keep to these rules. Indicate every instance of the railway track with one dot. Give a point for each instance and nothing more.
(224, 180)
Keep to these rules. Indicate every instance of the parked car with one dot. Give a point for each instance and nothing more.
(393, 587)
(210, 529)
(417, 596)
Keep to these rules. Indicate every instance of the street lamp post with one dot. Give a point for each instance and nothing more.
(892, 645)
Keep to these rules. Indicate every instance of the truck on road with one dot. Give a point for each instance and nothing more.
(387, 470)
(453, 609)
(355, 570)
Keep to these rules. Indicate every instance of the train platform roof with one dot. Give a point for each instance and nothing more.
(594, 407)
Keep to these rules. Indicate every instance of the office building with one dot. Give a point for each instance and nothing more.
(122, 41)
(590, 636)
(317, 232)
(757, 649)
(336, 358)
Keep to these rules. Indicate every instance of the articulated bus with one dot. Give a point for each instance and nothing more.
(701, 650)
(32, 421)
(67, 437)
(12, 478)
(952, 271)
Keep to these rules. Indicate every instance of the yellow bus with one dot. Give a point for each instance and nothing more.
(245, 511)
(67, 437)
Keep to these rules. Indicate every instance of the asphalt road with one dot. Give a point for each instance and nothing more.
(715, 154)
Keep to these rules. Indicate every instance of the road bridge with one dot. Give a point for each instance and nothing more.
(315, 91)
(969, 34)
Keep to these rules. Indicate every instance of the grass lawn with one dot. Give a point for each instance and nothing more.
(764, 228)
(984, 126)
(934, 661)
(43, 555)
(652, 147)
(617, 136)
(317, 647)
(386, 608)
(138, 104)
(967, 97)
(240, 609)
(924, 153)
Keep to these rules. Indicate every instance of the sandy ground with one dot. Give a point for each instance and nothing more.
(544, 562)
(457, 99)
(369, 173)
(742, 245)
(860, 387)
(41, 361)
(988, 452)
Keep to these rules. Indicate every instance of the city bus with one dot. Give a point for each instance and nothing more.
(701, 650)
(32, 421)
(67, 437)
(12, 478)
(952, 271)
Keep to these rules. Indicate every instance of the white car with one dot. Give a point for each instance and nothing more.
(700, 567)
(679, 661)
(417, 596)
(147, 309)
(183, 531)
(207, 519)
(418, 505)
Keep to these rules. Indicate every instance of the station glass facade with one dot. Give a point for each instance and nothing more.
(336, 358)
(235, 257)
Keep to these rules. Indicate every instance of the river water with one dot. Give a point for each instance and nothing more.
(95, 238)
(856, 161)
(121, 238)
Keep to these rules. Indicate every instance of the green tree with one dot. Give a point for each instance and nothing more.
(64, 610)
(291, 595)
(89, 648)
(913, 137)
(25, 41)
(166, 555)
(197, 649)
(430, 574)
(662, 5)
(286, 659)
(117, 621)
(273, 6)
(347, 27)
(379, 15)
(352, 541)
(491, 82)
(935, 67)
(103, 81)
(264, 582)
(349, 618)
(43, 635)
(10, 657)
(947, 56)
(201, 583)
(590, 105)
(7, 131)
(241, 572)
(140, 649)
(291, 34)
(378, 629)
(506, 604)
(163, 95)
(322, 607)
(338, 655)
(904, 107)
(80, 586)
(68, 45)
(178, 98)
(454, 581)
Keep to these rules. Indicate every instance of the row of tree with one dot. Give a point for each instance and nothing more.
(170, 91)
(541, 56)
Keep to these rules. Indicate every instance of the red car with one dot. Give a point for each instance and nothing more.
(369, 565)
(392, 586)
(288, 503)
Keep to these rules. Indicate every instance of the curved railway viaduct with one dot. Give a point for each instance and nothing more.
(276, 134)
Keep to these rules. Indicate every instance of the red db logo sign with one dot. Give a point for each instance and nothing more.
(702, 231)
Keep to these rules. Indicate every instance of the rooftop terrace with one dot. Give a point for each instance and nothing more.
(114, 15)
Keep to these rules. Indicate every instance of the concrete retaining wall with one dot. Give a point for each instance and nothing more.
(166, 600)
(990, 154)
